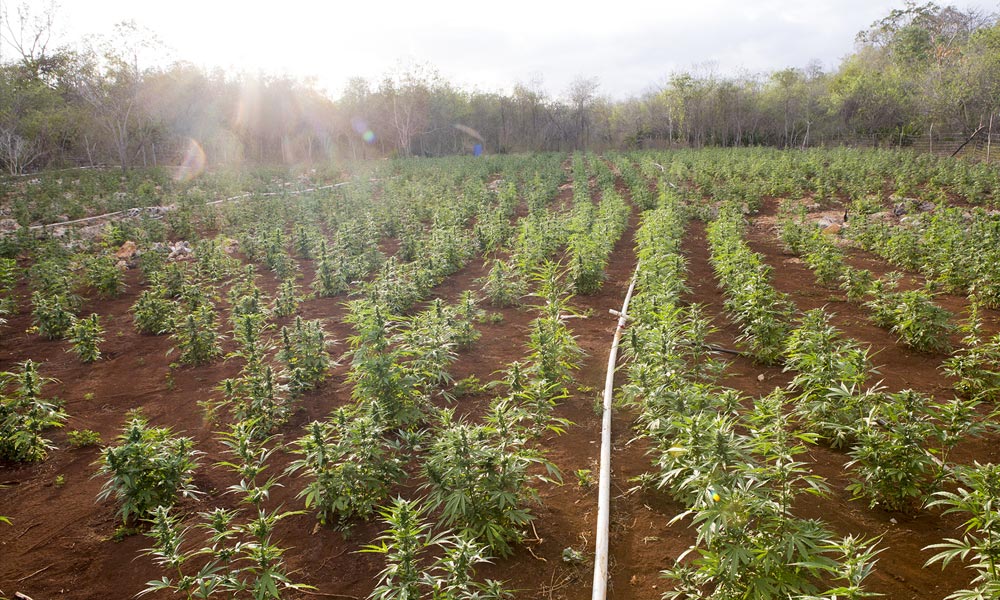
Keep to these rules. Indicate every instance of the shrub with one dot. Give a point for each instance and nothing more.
(53, 315)
(104, 276)
(83, 438)
(304, 352)
(504, 285)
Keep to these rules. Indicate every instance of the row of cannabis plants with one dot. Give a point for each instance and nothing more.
(736, 470)
(739, 469)
(911, 314)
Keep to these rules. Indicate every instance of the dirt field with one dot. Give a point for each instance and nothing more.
(61, 543)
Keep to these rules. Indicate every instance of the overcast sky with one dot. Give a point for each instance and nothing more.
(629, 45)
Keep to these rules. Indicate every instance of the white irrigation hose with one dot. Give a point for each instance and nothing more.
(604, 485)
(240, 197)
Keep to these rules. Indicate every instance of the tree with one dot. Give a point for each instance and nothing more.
(582, 93)
(110, 81)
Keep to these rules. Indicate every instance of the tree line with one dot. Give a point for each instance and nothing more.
(920, 69)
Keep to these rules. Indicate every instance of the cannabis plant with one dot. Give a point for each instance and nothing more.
(350, 463)
(25, 415)
(148, 468)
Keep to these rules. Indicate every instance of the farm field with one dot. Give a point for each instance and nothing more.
(401, 375)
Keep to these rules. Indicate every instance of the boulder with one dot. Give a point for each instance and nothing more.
(8, 226)
(127, 251)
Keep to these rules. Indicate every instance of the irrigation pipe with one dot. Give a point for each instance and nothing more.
(212, 203)
(604, 485)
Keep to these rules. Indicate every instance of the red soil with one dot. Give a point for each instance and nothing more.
(61, 542)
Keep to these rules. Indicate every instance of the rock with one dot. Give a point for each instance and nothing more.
(121, 265)
(833, 229)
(158, 212)
(90, 232)
(127, 250)
(62, 218)
(927, 206)
(8, 226)
(825, 222)
(180, 251)
(899, 210)
(230, 246)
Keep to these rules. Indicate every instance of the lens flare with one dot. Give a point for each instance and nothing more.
(359, 125)
(368, 136)
(193, 163)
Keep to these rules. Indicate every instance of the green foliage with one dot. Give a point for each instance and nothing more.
(103, 276)
(330, 276)
(350, 463)
(287, 299)
(903, 447)
(304, 352)
(976, 365)
(976, 498)
(52, 315)
(147, 469)
(856, 283)
(238, 557)
(828, 371)
(87, 335)
(914, 317)
(504, 285)
(9, 274)
(383, 386)
(83, 438)
(258, 397)
(762, 312)
(749, 544)
(480, 479)
(554, 352)
(25, 415)
(196, 337)
(152, 314)
(405, 544)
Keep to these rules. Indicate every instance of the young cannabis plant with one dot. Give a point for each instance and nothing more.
(153, 314)
(87, 335)
(481, 482)
(196, 336)
(238, 557)
(977, 497)
(350, 462)
(405, 544)
(304, 352)
(148, 468)
(24, 414)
